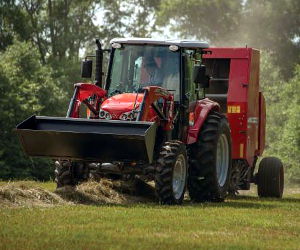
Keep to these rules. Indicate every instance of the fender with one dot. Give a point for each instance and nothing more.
(199, 110)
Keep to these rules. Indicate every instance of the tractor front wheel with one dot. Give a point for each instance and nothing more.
(270, 178)
(171, 173)
(69, 173)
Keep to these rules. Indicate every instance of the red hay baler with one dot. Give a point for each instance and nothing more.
(172, 111)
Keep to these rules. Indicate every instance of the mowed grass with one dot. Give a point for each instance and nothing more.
(245, 222)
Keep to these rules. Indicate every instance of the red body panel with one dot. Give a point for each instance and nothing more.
(119, 104)
(244, 108)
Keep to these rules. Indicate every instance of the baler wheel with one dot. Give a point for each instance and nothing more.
(210, 161)
(171, 173)
(70, 173)
(270, 178)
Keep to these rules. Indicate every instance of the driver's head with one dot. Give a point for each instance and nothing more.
(150, 62)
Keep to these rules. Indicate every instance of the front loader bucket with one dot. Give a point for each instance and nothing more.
(84, 139)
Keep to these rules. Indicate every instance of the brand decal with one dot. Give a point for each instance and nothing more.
(234, 109)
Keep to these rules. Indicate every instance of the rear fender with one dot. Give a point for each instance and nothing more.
(199, 112)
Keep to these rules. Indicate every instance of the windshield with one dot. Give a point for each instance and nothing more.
(138, 66)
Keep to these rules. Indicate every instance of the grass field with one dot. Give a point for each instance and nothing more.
(245, 222)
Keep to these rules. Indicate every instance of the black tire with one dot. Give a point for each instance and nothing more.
(171, 153)
(270, 178)
(204, 184)
(94, 172)
(70, 173)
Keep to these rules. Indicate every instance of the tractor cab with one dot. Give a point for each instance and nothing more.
(137, 63)
(167, 71)
(173, 67)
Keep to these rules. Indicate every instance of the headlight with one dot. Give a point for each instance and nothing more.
(131, 115)
(104, 115)
(108, 116)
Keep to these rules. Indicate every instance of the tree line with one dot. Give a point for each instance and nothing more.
(41, 42)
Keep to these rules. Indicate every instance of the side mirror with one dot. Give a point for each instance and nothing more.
(200, 77)
(86, 68)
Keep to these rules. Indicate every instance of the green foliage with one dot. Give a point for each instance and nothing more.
(283, 115)
(274, 25)
(59, 28)
(215, 20)
(268, 25)
(289, 143)
(26, 88)
(130, 18)
(13, 23)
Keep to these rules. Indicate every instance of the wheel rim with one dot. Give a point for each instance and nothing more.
(179, 176)
(222, 159)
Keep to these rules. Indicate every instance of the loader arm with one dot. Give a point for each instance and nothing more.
(83, 92)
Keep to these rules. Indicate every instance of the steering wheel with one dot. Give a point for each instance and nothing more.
(115, 92)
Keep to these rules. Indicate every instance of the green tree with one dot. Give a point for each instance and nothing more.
(214, 20)
(267, 25)
(274, 25)
(13, 23)
(26, 88)
(127, 18)
(283, 114)
(289, 145)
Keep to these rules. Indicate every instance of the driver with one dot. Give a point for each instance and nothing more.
(154, 73)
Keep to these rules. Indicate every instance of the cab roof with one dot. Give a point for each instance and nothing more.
(193, 44)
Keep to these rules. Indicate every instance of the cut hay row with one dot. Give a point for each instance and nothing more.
(28, 194)
(25, 194)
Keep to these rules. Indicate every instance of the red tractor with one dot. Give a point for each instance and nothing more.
(173, 111)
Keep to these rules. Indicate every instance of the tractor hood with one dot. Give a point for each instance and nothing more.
(119, 104)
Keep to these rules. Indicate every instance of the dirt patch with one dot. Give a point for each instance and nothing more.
(28, 194)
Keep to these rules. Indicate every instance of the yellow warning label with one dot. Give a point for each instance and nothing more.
(234, 109)
(241, 150)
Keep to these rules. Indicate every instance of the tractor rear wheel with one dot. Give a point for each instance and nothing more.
(69, 173)
(171, 173)
(270, 178)
(210, 161)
